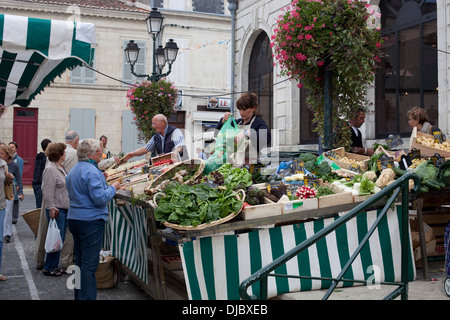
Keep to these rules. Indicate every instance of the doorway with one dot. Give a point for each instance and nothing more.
(25, 135)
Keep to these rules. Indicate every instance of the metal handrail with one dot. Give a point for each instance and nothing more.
(400, 184)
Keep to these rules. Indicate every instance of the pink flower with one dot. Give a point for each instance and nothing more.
(308, 37)
(320, 63)
(301, 57)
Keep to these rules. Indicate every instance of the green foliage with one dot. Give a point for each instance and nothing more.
(193, 205)
(234, 176)
(313, 35)
(148, 99)
(444, 173)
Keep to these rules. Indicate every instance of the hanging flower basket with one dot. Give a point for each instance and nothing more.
(147, 99)
(2, 110)
(313, 36)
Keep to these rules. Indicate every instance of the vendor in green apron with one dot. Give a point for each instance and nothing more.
(253, 127)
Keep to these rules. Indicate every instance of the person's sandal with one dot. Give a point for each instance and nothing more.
(3, 278)
(53, 273)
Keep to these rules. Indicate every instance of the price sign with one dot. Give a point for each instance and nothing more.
(394, 141)
(291, 190)
(405, 162)
(333, 155)
(355, 168)
(439, 137)
(385, 162)
(414, 153)
(255, 168)
(437, 160)
(298, 166)
(271, 185)
(311, 180)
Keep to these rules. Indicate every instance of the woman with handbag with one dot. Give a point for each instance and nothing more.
(7, 155)
(5, 177)
(88, 212)
(56, 201)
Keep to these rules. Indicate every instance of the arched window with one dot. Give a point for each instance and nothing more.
(408, 73)
(260, 76)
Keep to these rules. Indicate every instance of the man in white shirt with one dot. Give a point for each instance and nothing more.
(71, 138)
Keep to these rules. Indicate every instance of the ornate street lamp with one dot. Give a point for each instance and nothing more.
(161, 55)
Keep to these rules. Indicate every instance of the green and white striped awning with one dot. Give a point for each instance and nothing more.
(33, 52)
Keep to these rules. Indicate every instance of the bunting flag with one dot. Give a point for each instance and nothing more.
(203, 45)
(33, 52)
(214, 267)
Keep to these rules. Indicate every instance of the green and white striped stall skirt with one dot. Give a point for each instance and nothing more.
(215, 266)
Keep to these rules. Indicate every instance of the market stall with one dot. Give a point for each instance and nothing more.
(270, 210)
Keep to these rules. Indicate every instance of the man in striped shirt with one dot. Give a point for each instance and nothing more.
(166, 139)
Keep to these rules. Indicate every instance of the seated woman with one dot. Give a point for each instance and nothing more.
(418, 117)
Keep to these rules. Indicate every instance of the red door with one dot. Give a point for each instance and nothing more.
(25, 135)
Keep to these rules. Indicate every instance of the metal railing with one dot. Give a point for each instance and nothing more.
(401, 184)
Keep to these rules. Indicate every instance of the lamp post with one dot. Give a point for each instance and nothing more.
(161, 55)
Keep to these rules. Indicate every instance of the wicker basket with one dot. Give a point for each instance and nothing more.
(203, 225)
(197, 164)
(32, 219)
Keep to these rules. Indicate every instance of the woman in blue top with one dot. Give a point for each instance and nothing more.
(88, 195)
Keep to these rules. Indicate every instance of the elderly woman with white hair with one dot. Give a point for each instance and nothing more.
(89, 194)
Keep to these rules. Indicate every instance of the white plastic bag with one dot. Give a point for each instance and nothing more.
(53, 241)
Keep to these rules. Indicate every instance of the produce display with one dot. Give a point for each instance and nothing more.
(184, 194)
(431, 142)
(192, 205)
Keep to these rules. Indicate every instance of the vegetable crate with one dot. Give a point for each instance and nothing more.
(166, 157)
(268, 209)
(351, 156)
(334, 199)
(426, 150)
(300, 205)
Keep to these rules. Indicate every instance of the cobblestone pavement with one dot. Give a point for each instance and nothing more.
(25, 282)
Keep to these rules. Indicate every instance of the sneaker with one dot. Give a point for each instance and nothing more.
(6, 239)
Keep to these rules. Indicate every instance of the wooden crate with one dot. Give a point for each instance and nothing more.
(268, 209)
(172, 262)
(357, 157)
(426, 151)
(335, 199)
(300, 205)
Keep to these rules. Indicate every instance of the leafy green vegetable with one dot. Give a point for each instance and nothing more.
(192, 205)
(307, 156)
(323, 191)
(366, 186)
(444, 173)
(373, 162)
(426, 171)
(234, 176)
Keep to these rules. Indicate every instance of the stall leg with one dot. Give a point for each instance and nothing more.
(423, 245)
(158, 271)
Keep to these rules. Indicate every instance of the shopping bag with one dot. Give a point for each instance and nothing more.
(215, 161)
(226, 136)
(9, 191)
(53, 242)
